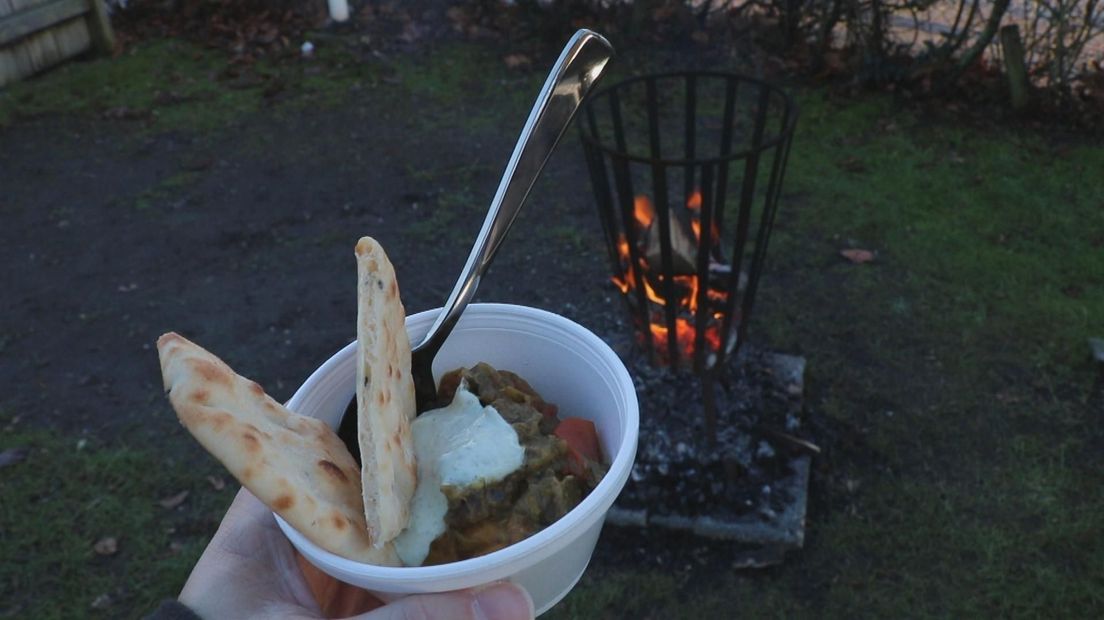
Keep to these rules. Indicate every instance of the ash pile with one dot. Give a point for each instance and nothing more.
(749, 483)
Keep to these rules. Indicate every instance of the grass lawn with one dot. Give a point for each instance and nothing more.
(965, 454)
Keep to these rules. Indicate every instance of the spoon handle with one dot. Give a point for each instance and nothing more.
(579, 66)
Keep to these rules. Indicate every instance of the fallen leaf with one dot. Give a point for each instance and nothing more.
(125, 113)
(1073, 291)
(857, 256)
(172, 97)
(835, 62)
(106, 546)
(197, 164)
(174, 501)
(102, 601)
(517, 61)
(411, 32)
(458, 17)
(852, 164)
(217, 482)
(275, 87)
(663, 12)
(12, 456)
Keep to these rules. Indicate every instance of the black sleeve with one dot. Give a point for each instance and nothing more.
(170, 609)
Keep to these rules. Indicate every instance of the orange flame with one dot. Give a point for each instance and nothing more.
(629, 283)
(643, 211)
(685, 287)
(694, 202)
(684, 336)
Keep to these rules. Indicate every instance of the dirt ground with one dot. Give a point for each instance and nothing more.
(253, 256)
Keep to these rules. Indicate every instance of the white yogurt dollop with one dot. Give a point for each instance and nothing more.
(456, 445)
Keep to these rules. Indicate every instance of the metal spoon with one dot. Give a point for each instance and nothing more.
(580, 65)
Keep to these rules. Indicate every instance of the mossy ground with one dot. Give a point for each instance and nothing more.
(71, 492)
(960, 411)
(168, 85)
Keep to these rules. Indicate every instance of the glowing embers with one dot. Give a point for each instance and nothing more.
(681, 280)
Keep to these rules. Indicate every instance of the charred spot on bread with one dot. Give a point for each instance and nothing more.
(251, 443)
(283, 502)
(210, 371)
(333, 470)
(339, 521)
(219, 420)
(258, 431)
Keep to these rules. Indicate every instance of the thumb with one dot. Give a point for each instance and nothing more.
(499, 601)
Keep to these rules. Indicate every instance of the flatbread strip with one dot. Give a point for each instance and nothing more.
(385, 395)
(295, 464)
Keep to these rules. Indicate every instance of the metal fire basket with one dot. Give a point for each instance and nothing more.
(686, 170)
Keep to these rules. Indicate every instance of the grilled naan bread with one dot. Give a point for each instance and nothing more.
(295, 464)
(385, 395)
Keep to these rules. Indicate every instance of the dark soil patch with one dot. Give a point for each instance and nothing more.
(112, 237)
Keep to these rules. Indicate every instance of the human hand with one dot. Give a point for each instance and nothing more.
(250, 570)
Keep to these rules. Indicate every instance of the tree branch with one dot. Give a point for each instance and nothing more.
(992, 26)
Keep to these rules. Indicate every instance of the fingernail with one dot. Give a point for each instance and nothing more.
(503, 601)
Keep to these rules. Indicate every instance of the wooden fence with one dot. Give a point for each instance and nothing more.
(38, 34)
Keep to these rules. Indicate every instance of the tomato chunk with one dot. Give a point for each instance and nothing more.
(581, 437)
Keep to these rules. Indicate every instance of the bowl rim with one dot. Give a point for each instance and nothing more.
(535, 547)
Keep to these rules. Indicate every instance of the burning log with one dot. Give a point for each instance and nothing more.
(684, 247)
(690, 304)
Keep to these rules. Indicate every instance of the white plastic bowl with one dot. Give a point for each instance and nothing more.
(569, 366)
